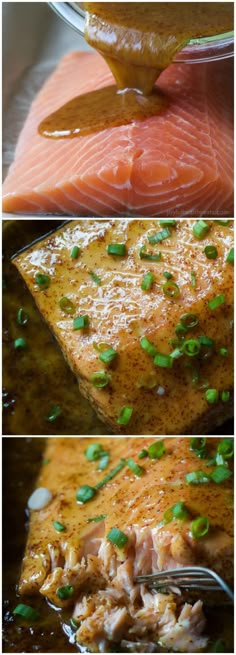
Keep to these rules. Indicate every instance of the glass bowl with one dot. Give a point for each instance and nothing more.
(196, 51)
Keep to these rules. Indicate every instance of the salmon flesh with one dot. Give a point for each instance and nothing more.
(105, 601)
(163, 399)
(179, 163)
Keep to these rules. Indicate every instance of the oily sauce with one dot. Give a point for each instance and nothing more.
(37, 377)
(138, 40)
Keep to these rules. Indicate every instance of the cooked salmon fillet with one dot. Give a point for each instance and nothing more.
(163, 400)
(178, 163)
(105, 599)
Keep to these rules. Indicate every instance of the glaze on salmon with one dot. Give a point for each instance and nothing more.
(105, 600)
(179, 163)
(163, 400)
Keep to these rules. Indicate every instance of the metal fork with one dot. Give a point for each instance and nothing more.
(190, 578)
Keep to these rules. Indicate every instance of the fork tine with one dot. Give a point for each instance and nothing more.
(189, 578)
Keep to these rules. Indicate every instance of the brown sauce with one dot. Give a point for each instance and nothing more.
(22, 460)
(38, 376)
(138, 41)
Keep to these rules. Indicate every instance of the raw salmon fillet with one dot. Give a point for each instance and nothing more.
(179, 163)
(105, 599)
(163, 400)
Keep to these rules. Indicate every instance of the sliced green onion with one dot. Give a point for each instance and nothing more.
(226, 448)
(218, 646)
(217, 301)
(200, 527)
(148, 346)
(125, 415)
(42, 280)
(85, 493)
(200, 383)
(180, 331)
(147, 282)
(118, 249)
(159, 236)
(54, 412)
(206, 341)
(157, 449)
(118, 538)
(96, 519)
(46, 461)
(107, 356)
(168, 221)
(198, 445)
(67, 305)
(177, 511)
(143, 453)
(111, 475)
(176, 353)
(93, 452)
(75, 252)
(65, 592)
(219, 460)
(100, 379)
(149, 256)
(211, 462)
(211, 252)
(171, 289)
(26, 611)
(22, 317)
(180, 511)
(167, 275)
(197, 477)
(191, 347)
(74, 624)
(20, 344)
(225, 396)
(230, 256)
(95, 278)
(212, 396)
(223, 222)
(193, 279)
(164, 361)
(138, 470)
(220, 474)
(223, 352)
(200, 229)
(81, 322)
(58, 526)
(103, 462)
(188, 321)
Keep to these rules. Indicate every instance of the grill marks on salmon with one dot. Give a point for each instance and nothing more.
(108, 604)
(178, 163)
(164, 401)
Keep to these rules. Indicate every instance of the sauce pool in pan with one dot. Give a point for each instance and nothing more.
(36, 379)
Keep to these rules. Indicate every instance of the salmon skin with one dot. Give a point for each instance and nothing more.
(105, 599)
(179, 163)
(164, 400)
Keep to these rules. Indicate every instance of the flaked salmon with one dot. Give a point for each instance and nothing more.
(72, 561)
(179, 163)
(126, 326)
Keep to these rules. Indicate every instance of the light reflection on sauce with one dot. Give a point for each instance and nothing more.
(138, 41)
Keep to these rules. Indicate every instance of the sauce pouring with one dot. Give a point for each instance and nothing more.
(138, 41)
